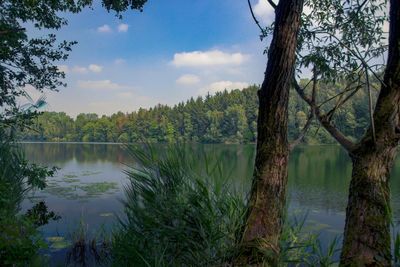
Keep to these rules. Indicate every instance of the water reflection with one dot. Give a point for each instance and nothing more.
(89, 185)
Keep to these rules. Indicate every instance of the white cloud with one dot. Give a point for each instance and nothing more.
(104, 29)
(123, 27)
(188, 79)
(63, 68)
(119, 61)
(100, 84)
(114, 105)
(83, 70)
(79, 69)
(221, 86)
(264, 12)
(207, 58)
(95, 68)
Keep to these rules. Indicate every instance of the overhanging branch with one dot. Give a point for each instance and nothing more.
(325, 122)
(272, 3)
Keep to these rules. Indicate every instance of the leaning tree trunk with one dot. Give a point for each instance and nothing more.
(264, 220)
(367, 230)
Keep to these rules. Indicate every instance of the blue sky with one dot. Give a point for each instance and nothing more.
(173, 50)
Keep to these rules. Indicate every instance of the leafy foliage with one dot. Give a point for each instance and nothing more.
(175, 217)
(227, 117)
(19, 239)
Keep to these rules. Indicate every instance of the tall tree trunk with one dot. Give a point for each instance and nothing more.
(260, 237)
(367, 230)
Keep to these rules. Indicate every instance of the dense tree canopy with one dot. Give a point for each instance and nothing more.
(227, 117)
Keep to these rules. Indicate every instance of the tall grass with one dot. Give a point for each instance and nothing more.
(175, 216)
(88, 249)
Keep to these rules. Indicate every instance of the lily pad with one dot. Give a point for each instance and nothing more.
(58, 242)
(70, 176)
(71, 180)
(99, 188)
(89, 173)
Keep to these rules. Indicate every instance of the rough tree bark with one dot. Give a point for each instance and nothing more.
(261, 233)
(367, 230)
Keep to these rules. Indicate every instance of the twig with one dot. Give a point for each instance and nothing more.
(254, 17)
(272, 3)
(336, 133)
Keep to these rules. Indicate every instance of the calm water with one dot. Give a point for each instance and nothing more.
(88, 187)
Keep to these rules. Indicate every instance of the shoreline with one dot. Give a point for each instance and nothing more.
(156, 143)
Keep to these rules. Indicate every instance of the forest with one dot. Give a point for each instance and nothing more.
(226, 117)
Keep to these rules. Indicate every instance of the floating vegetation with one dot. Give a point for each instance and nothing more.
(58, 242)
(99, 188)
(71, 180)
(62, 191)
(52, 183)
(89, 173)
(69, 193)
(79, 191)
(68, 176)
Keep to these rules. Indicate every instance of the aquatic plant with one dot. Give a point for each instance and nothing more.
(175, 216)
(88, 249)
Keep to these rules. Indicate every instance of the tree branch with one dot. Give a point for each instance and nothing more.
(272, 3)
(353, 53)
(303, 132)
(342, 102)
(4, 32)
(346, 90)
(254, 17)
(309, 119)
(336, 133)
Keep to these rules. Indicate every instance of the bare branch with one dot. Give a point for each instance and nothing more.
(346, 90)
(309, 119)
(336, 133)
(341, 103)
(303, 132)
(272, 3)
(254, 17)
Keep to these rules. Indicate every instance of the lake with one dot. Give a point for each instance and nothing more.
(88, 188)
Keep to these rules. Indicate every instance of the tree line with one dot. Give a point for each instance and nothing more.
(226, 117)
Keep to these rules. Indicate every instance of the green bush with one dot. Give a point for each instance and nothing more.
(20, 241)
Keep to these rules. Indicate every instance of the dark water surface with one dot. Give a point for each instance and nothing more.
(88, 188)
